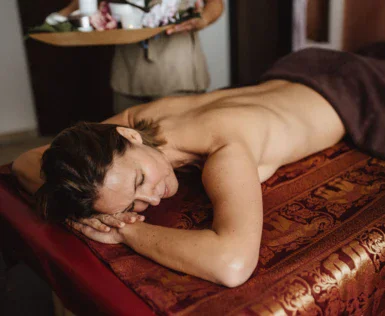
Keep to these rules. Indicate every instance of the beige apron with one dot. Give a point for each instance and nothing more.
(172, 64)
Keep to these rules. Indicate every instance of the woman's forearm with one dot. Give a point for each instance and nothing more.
(72, 6)
(27, 169)
(201, 253)
(212, 11)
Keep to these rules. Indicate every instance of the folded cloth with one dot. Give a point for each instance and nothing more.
(354, 85)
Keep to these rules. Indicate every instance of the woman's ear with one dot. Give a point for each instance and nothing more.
(130, 134)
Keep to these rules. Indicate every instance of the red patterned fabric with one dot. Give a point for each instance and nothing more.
(322, 253)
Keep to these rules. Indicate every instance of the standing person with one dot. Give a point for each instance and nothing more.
(169, 64)
(172, 64)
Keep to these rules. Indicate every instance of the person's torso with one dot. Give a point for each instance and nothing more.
(279, 122)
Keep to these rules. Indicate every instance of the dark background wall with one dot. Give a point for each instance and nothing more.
(260, 34)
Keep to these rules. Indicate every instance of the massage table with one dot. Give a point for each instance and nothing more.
(322, 251)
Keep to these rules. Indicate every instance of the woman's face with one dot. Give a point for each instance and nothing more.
(141, 177)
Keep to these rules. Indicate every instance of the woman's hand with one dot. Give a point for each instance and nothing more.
(104, 228)
(104, 222)
(209, 12)
(112, 236)
(192, 25)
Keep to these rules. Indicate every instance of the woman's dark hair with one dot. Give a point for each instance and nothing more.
(76, 163)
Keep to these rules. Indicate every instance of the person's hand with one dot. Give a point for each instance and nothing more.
(113, 236)
(191, 25)
(104, 222)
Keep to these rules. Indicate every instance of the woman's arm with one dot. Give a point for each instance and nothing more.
(26, 168)
(71, 7)
(228, 253)
(209, 14)
(212, 10)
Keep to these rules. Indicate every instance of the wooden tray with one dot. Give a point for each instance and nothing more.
(111, 37)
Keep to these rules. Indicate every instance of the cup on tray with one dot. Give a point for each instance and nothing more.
(130, 16)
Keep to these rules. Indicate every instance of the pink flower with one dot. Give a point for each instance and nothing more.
(104, 8)
(161, 14)
(102, 19)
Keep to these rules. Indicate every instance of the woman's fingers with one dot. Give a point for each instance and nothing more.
(110, 237)
(82, 228)
(111, 220)
(95, 223)
(129, 217)
(183, 27)
(74, 224)
(195, 24)
(104, 222)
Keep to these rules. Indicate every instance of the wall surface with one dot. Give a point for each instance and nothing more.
(335, 27)
(16, 104)
(216, 45)
(363, 23)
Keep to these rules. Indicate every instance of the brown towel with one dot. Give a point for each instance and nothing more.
(353, 84)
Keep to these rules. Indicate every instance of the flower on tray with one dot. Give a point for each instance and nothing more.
(171, 11)
(102, 19)
(161, 14)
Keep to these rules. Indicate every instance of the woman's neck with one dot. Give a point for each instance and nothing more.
(180, 158)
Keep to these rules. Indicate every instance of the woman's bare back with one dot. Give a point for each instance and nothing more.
(279, 122)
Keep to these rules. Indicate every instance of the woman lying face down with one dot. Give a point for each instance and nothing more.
(100, 176)
(304, 104)
(97, 177)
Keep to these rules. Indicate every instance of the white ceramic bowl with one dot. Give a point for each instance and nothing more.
(130, 16)
(119, 9)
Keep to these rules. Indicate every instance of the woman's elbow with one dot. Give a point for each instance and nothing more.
(234, 279)
(236, 272)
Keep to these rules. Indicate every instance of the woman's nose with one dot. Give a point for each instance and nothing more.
(148, 196)
(153, 200)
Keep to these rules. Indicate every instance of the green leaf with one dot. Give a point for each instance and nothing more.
(47, 28)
